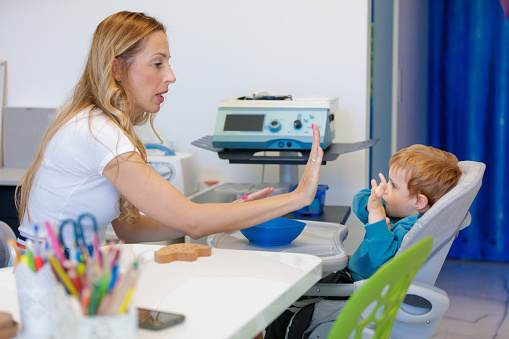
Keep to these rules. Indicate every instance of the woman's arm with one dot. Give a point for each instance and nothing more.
(157, 198)
(147, 229)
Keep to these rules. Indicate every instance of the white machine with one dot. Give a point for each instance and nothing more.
(276, 123)
(178, 168)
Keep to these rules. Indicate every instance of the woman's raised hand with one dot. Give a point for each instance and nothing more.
(311, 176)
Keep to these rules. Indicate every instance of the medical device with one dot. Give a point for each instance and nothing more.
(250, 125)
(274, 123)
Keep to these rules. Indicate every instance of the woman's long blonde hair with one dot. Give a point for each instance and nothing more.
(119, 36)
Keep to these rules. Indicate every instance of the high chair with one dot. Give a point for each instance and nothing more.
(378, 300)
(425, 304)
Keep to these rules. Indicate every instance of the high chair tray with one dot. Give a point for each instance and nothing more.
(321, 239)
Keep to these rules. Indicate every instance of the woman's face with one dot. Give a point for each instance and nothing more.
(149, 75)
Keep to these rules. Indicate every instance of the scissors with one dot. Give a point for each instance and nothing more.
(79, 237)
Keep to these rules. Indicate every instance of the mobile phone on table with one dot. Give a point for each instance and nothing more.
(156, 320)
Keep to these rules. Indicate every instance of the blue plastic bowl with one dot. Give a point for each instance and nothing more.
(278, 231)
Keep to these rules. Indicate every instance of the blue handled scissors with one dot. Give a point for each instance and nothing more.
(79, 237)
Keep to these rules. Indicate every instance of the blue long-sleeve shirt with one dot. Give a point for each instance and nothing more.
(379, 244)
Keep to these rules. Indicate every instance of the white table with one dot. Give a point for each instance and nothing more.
(231, 294)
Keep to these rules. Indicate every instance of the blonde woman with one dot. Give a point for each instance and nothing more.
(91, 159)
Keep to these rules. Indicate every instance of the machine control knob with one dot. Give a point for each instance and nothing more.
(274, 126)
(297, 124)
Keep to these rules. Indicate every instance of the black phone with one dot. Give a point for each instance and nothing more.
(156, 320)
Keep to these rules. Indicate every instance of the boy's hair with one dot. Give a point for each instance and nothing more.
(430, 171)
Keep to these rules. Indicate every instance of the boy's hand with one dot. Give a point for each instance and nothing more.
(374, 207)
(377, 191)
(388, 221)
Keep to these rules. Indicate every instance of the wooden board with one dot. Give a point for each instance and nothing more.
(181, 252)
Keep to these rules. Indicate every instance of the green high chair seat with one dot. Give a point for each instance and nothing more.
(372, 309)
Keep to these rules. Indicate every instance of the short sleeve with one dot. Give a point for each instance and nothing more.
(86, 144)
(111, 141)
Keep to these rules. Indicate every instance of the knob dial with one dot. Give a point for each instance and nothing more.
(274, 126)
(297, 124)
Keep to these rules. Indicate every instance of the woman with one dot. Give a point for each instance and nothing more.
(91, 159)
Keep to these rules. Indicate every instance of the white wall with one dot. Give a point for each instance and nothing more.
(220, 49)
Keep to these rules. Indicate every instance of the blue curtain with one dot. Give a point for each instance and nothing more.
(468, 108)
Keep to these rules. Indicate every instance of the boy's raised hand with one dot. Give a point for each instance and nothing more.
(378, 190)
(375, 208)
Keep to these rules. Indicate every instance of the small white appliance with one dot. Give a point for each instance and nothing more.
(178, 168)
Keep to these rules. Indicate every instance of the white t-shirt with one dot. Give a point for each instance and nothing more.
(70, 181)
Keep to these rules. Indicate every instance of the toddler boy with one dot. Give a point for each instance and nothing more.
(418, 176)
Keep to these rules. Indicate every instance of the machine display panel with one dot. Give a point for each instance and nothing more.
(244, 122)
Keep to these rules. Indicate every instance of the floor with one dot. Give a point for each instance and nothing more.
(479, 300)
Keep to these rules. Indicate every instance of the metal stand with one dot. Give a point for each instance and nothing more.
(289, 173)
(247, 156)
(286, 159)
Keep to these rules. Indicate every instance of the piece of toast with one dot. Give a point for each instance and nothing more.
(181, 252)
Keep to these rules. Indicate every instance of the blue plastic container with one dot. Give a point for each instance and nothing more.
(278, 231)
(316, 207)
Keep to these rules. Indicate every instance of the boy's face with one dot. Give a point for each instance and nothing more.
(398, 202)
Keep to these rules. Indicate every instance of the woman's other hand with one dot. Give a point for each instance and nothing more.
(264, 193)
